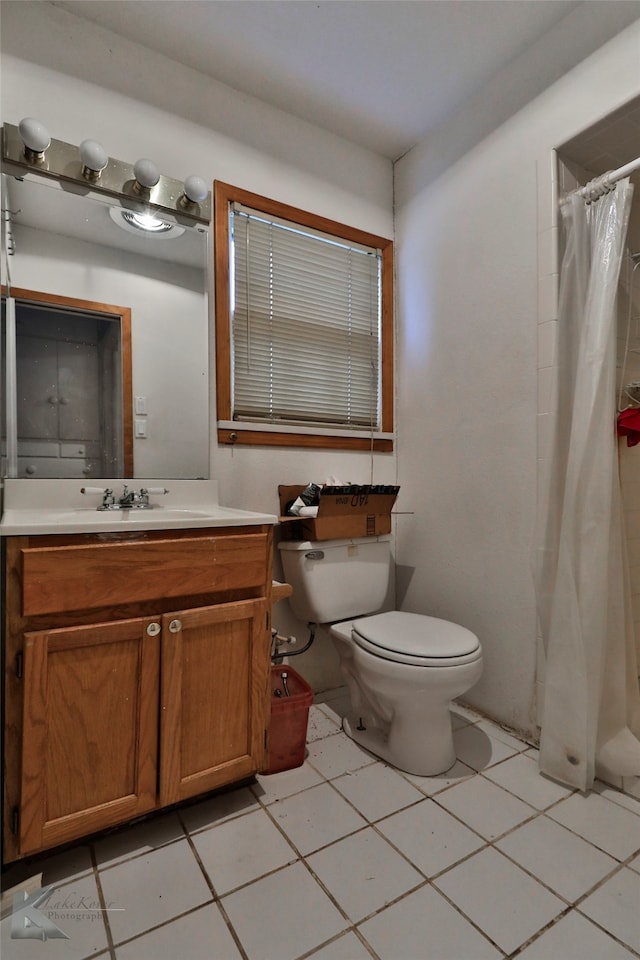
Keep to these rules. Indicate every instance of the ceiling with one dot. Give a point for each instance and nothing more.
(381, 73)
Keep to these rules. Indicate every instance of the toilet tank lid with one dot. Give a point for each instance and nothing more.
(325, 544)
(417, 635)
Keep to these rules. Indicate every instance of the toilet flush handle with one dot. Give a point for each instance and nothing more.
(314, 555)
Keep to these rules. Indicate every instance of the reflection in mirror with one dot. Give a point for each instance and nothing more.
(73, 378)
(88, 407)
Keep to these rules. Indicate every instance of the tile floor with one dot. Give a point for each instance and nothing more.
(345, 858)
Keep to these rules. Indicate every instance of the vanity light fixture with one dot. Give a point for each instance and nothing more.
(94, 159)
(35, 138)
(27, 149)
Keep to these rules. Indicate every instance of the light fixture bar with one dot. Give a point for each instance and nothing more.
(62, 161)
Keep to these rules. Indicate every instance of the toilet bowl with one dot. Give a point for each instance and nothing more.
(402, 669)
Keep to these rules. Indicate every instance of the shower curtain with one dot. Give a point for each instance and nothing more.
(591, 706)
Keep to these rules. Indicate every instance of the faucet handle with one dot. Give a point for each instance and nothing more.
(107, 495)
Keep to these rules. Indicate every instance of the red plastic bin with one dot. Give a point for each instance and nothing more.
(289, 720)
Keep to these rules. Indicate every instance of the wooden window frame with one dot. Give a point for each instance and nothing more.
(245, 435)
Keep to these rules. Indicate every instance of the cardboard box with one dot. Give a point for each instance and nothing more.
(362, 510)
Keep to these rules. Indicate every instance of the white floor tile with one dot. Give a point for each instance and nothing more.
(479, 750)
(430, 837)
(363, 873)
(495, 731)
(616, 905)
(376, 791)
(458, 719)
(424, 925)
(190, 937)
(607, 825)
(316, 817)
(334, 756)
(321, 725)
(562, 860)
(283, 916)
(500, 898)
(140, 838)
(574, 938)
(76, 911)
(520, 775)
(346, 947)
(337, 707)
(236, 853)
(428, 843)
(632, 804)
(276, 786)
(152, 888)
(485, 807)
(67, 866)
(432, 785)
(217, 809)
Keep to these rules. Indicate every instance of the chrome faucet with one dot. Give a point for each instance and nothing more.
(128, 500)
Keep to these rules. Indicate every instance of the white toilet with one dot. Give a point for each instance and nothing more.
(402, 669)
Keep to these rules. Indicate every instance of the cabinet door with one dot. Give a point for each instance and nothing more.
(214, 697)
(90, 729)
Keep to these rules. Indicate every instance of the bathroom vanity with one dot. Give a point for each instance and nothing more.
(137, 660)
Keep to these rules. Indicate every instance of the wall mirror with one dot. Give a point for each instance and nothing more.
(112, 338)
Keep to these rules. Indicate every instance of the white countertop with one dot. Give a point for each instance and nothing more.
(58, 506)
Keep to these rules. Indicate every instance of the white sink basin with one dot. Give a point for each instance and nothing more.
(55, 506)
(160, 515)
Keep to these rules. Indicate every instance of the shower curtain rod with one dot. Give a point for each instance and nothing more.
(600, 185)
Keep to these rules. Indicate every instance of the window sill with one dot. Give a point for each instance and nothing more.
(242, 437)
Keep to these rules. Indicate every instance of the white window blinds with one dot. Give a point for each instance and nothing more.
(306, 322)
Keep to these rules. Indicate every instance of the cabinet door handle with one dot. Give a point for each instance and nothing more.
(153, 629)
(175, 626)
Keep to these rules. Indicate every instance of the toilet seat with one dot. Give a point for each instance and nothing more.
(416, 639)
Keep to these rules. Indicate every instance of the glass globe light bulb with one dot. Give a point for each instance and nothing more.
(195, 189)
(146, 173)
(35, 137)
(94, 158)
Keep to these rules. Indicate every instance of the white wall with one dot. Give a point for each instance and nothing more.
(470, 243)
(239, 140)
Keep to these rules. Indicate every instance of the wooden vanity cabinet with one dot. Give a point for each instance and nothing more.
(136, 675)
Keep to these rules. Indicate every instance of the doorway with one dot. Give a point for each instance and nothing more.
(73, 386)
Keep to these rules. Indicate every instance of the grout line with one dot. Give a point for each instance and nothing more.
(103, 903)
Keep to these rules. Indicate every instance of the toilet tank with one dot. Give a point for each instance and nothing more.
(336, 579)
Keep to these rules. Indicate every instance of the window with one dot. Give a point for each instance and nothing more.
(304, 329)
